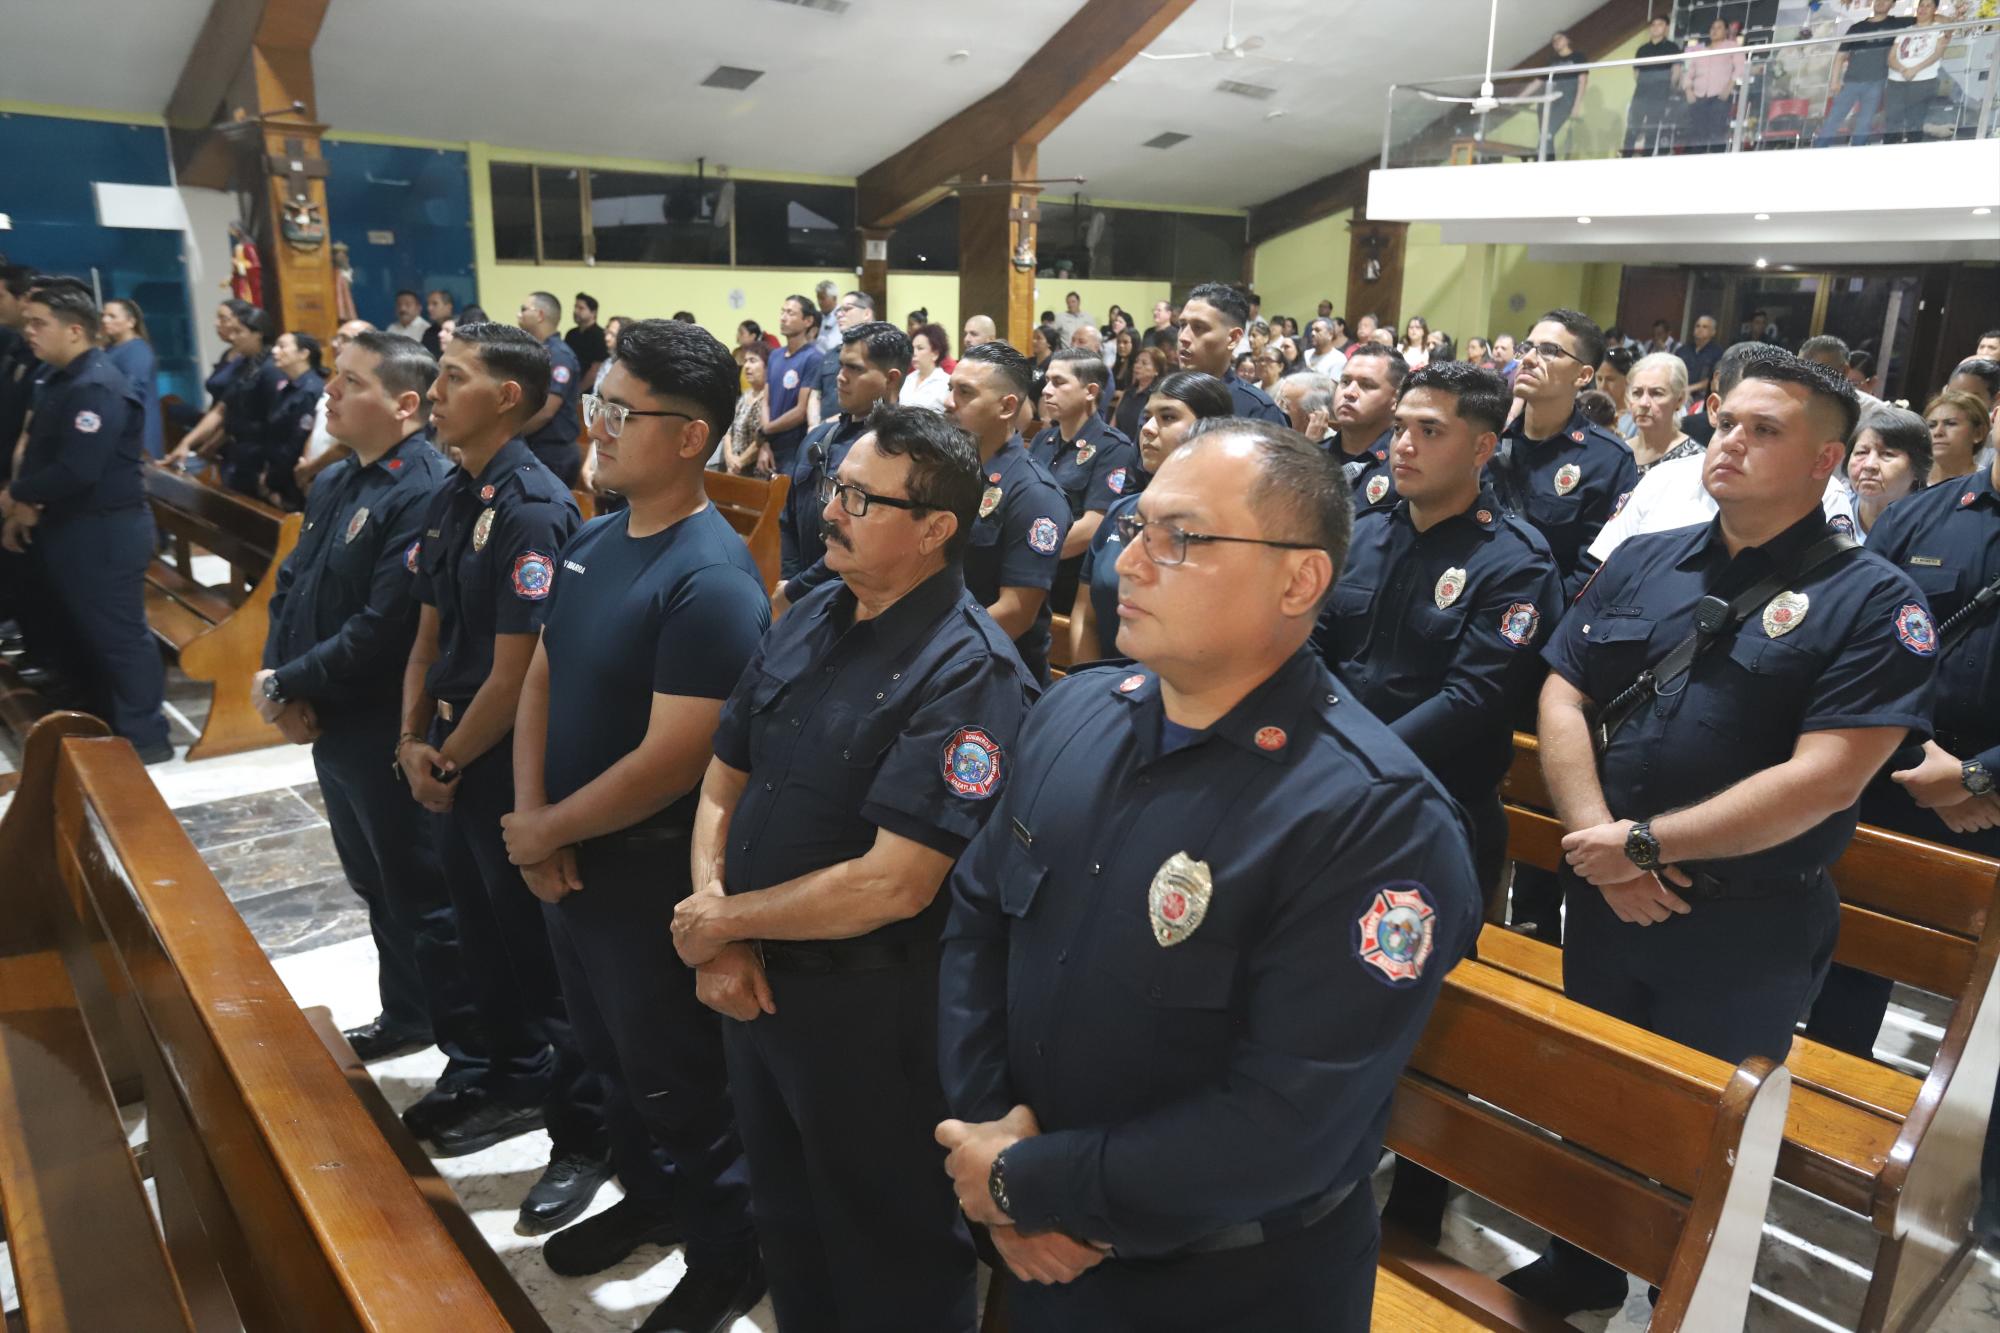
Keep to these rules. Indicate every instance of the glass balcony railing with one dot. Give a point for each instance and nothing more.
(1909, 85)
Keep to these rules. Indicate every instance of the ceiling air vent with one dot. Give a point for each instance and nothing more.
(732, 77)
(1167, 140)
(823, 6)
(1257, 92)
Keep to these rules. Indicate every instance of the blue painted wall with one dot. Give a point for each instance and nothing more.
(45, 188)
(417, 203)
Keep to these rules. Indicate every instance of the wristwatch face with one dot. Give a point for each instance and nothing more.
(272, 690)
(1978, 779)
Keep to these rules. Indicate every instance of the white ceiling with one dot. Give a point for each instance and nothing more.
(840, 92)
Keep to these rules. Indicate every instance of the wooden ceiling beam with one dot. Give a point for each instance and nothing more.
(252, 56)
(1100, 39)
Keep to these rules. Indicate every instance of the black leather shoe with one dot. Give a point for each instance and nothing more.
(708, 1298)
(156, 754)
(371, 1041)
(1564, 1291)
(480, 1125)
(437, 1107)
(564, 1191)
(597, 1243)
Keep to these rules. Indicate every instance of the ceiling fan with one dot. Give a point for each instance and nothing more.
(1232, 48)
(1486, 101)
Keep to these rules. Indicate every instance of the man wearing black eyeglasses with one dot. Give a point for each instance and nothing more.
(1202, 854)
(653, 614)
(860, 752)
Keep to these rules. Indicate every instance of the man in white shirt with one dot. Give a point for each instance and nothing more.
(1325, 358)
(830, 327)
(410, 322)
(1671, 495)
(1073, 317)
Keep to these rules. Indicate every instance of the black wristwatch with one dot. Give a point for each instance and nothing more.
(1977, 777)
(1641, 847)
(996, 1184)
(273, 690)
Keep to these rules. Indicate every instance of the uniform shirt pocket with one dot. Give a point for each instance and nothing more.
(1940, 589)
(1760, 691)
(1616, 650)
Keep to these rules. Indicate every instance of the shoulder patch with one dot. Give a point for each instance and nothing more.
(88, 423)
(534, 576)
(1042, 536)
(1116, 481)
(1841, 523)
(1915, 631)
(559, 373)
(972, 764)
(1519, 622)
(1393, 937)
(416, 548)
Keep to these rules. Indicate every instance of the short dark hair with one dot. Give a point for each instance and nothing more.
(1736, 358)
(944, 463)
(1759, 314)
(17, 279)
(1077, 295)
(1395, 368)
(510, 353)
(684, 316)
(1823, 385)
(1299, 493)
(589, 301)
(403, 366)
(807, 306)
(1050, 335)
(1990, 333)
(1227, 301)
(1048, 317)
(886, 346)
(249, 316)
(861, 299)
(1016, 370)
(1982, 369)
(402, 292)
(1205, 395)
(749, 350)
(1620, 359)
(679, 360)
(69, 301)
(1902, 430)
(940, 341)
(449, 299)
(546, 302)
(1596, 406)
(1482, 395)
(472, 314)
(1824, 344)
(1589, 338)
(1086, 365)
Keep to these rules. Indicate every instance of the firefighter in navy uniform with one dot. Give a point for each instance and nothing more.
(1364, 407)
(342, 618)
(553, 431)
(485, 567)
(77, 506)
(863, 748)
(1091, 461)
(1192, 949)
(1211, 324)
(1705, 801)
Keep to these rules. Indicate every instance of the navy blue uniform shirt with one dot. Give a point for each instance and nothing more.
(248, 400)
(344, 612)
(220, 374)
(905, 722)
(1093, 469)
(1568, 485)
(1368, 471)
(1253, 402)
(1100, 565)
(1017, 541)
(134, 357)
(292, 416)
(566, 384)
(1439, 633)
(679, 612)
(1947, 539)
(1862, 655)
(1247, 1066)
(86, 444)
(487, 562)
(801, 548)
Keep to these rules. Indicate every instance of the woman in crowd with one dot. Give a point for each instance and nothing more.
(1148, 364)
(1417, 342)
(1613, 378)
(1861, 371)
(1123, 346)
(1245, 366)
(125, 343)
(1479, 352)
(928, 382)
(297, 357)
(209, 423)
(1889, 457)
(743, 447)
(1914, 62)
(611, 328)
(1270, 366)
(1655, 394)
(914, 324)
(1043, 343)
(1958, 426)
(1175, 404)
(1257, 334)
(235, 426)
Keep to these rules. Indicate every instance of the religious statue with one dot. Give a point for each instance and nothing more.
(246, 270)
(343, 283)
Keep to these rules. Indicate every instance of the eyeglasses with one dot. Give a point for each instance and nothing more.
(854, 501)
(613, 414)
(1546, 351)
(1167, 545)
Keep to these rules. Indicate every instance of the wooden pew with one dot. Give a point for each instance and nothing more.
(281, 1206)
(753, 506)
(1527, 1099)
(217, 631)
(1901, 1151)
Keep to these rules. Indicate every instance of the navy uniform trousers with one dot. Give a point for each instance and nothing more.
(92, 575)
(383, 839)
(849, 1065)
(522, 1020)
(632, 1004)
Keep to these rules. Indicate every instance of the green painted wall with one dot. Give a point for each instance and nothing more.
(1299, 269)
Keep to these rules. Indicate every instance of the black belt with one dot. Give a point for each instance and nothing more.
(1279, 1225)
(1709, 888)
(827, 959)
(647, 833)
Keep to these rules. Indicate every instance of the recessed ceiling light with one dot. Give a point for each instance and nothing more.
(1584, 220)
(1763, 263)
(1981, 212)
(1166, 140)
(1273, 115)
(958, 57)
(733, 77)
(1762, 217)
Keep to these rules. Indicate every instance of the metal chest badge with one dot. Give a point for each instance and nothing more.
(483, 529)
(358, 522)
(1179, 897)
(1567, 476)
(1450, 584)
(1378, 486)
(1785, 613)
(1084, 453)
(989, 501)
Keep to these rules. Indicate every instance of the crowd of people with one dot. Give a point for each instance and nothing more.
(789, 910)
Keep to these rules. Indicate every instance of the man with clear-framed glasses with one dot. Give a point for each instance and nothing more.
(1193, 865)
(860, 751)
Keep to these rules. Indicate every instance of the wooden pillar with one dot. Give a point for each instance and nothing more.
(875, 270)
(993, 225)
(291, 220)
(1375, 272)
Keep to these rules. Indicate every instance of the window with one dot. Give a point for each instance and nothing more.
(513, 212)
(561, 196)
(795, 226)
(929, 240)
(646, 218)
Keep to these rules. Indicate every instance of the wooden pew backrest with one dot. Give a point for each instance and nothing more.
(753, 507)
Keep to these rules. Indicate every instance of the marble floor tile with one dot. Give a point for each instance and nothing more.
(275, 861)
(310, 793)
(212, 825)
(307, 916)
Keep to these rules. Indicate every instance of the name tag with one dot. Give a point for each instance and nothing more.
(572, 565)
(1021, 834)
(1931, 562)
(434, 532)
